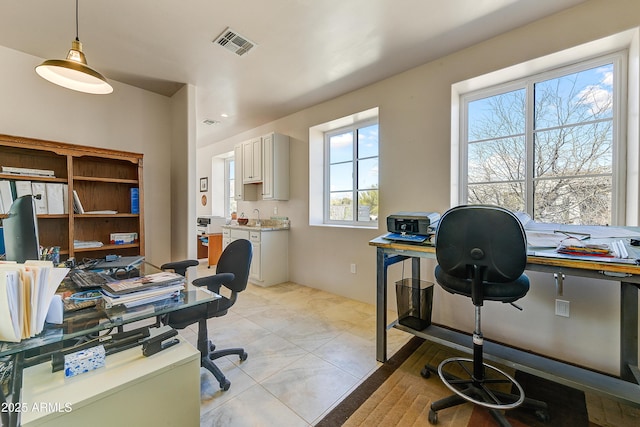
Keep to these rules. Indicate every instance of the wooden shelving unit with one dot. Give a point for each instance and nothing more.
(103, 180)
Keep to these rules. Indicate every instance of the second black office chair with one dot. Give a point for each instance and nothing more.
(482, 254)
(232, 273)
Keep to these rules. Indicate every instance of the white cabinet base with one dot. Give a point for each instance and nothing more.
(270, 262)
(130, 390)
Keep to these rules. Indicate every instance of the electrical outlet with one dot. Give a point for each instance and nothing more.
(562, 308)
(275, 210)
(353, 268)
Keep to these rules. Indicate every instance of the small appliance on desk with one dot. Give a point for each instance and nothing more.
(414, 227)
(210, 224)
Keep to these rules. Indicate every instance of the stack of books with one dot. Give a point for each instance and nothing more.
(136, 291)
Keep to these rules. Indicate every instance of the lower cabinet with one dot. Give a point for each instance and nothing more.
(215, 249)
(270, 262)
(203, 248)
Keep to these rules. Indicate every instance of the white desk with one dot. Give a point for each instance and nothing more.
(130, 390)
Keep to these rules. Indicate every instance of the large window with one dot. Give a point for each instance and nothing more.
(351, 174)
(549, 145)
(230, 205)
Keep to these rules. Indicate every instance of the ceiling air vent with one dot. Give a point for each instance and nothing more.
(231, 40)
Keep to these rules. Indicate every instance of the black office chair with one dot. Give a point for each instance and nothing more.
(179, 267)
(482, 254)
(232, 272)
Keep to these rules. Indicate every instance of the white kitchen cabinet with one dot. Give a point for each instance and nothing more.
(275, 167)
(265, 161)
(238, 185)
(226, 237)
(252, 161)
(270, 262)
(255, 272)
(241, 191)
(235, 234)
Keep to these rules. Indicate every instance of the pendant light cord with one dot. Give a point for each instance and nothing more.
(77, 37)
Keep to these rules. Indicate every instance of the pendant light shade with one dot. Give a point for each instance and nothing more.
(73, 72)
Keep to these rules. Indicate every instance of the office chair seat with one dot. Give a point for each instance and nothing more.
(481, 253)
(182, 318)
(492, 291)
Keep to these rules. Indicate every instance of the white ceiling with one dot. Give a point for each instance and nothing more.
(308, 51)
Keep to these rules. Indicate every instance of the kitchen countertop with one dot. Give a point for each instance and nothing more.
(255, 227)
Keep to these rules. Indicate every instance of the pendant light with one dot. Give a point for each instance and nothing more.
(73, 72)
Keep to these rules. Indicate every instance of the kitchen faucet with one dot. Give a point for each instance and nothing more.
(258, 223)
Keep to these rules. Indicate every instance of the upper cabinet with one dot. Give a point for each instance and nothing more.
(252, 161)
(238, 188)
(265, 161)
(275, 167)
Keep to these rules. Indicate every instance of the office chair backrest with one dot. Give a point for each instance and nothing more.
(488, 237)
(236, 259)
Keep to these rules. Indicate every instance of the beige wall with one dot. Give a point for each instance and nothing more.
(130, 119)
(183, 175)
(415, 149)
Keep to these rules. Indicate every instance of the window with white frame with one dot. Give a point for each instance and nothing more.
(550, 144)
(351, 174)
(230, 205)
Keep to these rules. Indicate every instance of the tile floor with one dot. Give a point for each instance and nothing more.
(307, 349)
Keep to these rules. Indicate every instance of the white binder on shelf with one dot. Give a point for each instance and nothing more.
(77, 205)
(40, 196)
(5, 196)
(55, 199)
(65, 198)
(23, 188)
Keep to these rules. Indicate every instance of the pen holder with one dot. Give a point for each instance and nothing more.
(51, 254)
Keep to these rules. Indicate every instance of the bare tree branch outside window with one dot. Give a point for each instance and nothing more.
(566, 157)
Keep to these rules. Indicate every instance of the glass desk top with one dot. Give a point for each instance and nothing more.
(98, 318)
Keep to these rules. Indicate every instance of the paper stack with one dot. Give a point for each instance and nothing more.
(26, 291)
(142, 290)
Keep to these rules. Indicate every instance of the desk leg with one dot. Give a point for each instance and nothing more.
(415, 268)
(11, 417)
(382, 262)
(629, 332)
(381, 306)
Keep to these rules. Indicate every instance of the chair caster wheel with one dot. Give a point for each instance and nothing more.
(244, 356)
(225, 385)
(433, 417)
(425, 372)
(542, 415)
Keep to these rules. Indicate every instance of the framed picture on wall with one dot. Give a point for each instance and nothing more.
(204, 184)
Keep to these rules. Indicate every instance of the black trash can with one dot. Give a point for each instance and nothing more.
(415, 300)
